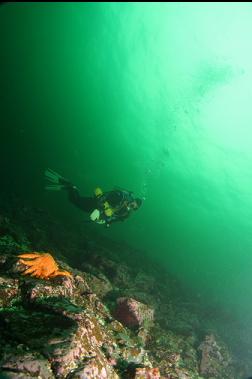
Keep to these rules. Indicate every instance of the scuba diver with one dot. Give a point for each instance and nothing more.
(104, 207)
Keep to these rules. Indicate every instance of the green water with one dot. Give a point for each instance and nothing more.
(153, 97)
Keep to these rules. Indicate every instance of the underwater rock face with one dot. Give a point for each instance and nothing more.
(93, 370)
(132, 313)
(61, 328)
(215, 359)
(65, 327)
(8, 291)
(99, 285)
(28, 364)
(148, 373)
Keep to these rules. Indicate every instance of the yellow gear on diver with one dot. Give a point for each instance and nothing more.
(107, 209)
(98, 191)
(108, 212)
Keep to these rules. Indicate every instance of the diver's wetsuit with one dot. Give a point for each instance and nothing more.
(117, 199)
(87, 204)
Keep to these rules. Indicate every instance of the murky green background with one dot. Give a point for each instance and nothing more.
(153, 97)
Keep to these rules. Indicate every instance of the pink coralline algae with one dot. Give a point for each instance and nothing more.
(147, 373)
(215, 359)
(132, 313)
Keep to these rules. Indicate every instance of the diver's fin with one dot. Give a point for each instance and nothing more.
(55, 182)
(52, 176)
(55, 187)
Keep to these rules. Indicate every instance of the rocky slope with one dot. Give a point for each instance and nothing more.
(116, 318)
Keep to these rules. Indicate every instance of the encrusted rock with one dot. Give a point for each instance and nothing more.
(132, 313)
(27, 364)
(9, 291)
(95, 369)
(215, 359)
(85, 343)
(147, 373)
(100, 285)
(67, 321)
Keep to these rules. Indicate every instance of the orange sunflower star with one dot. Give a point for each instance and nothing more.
(41, 265)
